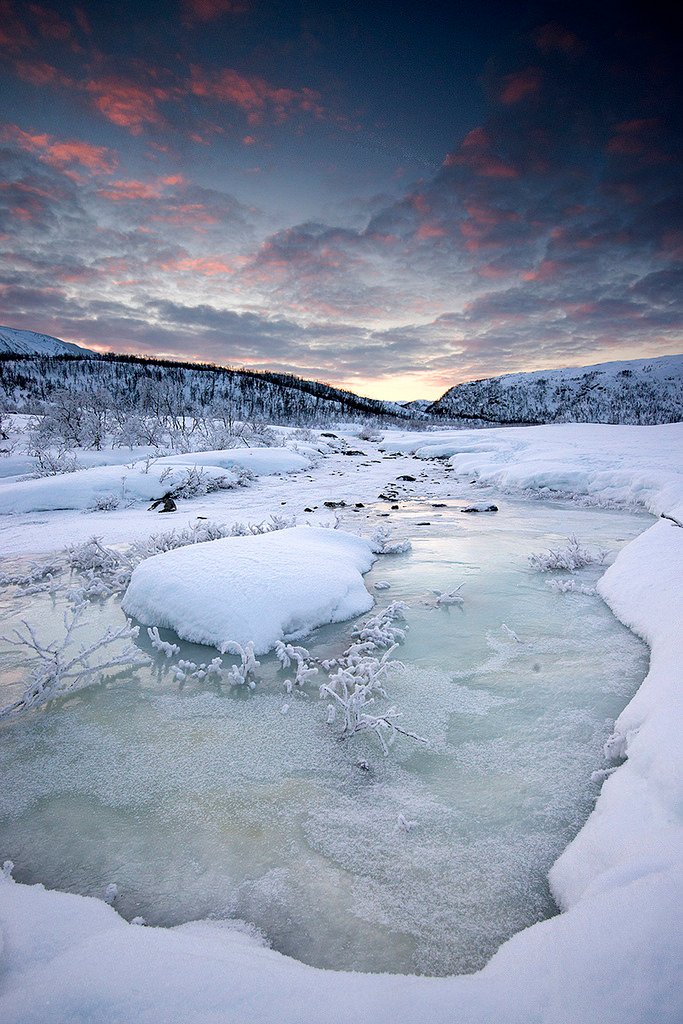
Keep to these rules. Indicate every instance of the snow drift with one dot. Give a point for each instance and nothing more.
(262, 588)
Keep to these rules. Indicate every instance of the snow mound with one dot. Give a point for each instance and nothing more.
(262, 588)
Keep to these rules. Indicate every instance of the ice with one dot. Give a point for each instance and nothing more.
(203, 801)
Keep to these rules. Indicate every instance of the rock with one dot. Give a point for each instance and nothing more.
(167, 503)
(406, 476)
(335, 504)
(480, 508)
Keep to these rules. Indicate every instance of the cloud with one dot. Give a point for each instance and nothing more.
(208, 10)
(254, 95)
(128, 104)
(519, 86)
(62, 153)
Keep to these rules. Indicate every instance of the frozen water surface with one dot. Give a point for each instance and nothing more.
(202, 802)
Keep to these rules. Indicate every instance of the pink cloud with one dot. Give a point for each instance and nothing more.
(13, 34)
(50, 24)
(545, 271)
(206, 266)
(63, 153)
(208, 10)
(430, 231)
(633, 138)
(126, 103)
(254, 95)
(476, 153)
(39, 73)
(121, 191)
(520, 85)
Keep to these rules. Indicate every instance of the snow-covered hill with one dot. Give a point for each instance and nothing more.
(16, 342)
(637, 391)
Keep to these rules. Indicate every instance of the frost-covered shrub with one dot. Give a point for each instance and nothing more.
(382, 542)
(567, 559)
(368, 432)
(287, 655)
(380, 629)
(38, 573)
(63, 666)
(449, 597)
(184, 670)
(53, 463)
(571, 587)
(72, 419)
(162, 646)
(107, 502)
(354, 687)
(243, 674)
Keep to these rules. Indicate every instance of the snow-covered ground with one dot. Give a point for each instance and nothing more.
(613, 955)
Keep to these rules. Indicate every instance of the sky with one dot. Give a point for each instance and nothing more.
(391, 197)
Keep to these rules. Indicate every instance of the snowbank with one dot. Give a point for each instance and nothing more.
(636, 830)
(142, 480)
(631, 465)
(263, 588)
(261, 461)
(83, 489)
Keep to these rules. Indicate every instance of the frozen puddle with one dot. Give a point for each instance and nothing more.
(201, 803)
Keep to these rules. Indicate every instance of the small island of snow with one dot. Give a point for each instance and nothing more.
(262, 588)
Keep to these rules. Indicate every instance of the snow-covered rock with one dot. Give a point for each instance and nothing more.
(633, 391)
(28, 343)
(264, 588)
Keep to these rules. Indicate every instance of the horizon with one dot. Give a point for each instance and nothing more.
(390, 203)
(235, 367)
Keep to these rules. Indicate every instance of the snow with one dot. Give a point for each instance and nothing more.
(143, 480)
(80, 490)
(612, 955)
(632, 391)
(262, 588)
(261, 461)
(634, 466)
(30, 342)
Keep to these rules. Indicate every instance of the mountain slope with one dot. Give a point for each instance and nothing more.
(638, 391)
(133, 384)
(16, 342)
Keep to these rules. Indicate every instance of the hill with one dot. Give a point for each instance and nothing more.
(16, 342)
(639, 391)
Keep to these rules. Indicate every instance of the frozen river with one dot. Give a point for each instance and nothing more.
(200, 802)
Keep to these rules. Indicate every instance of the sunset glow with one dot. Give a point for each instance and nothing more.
(392, 200)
